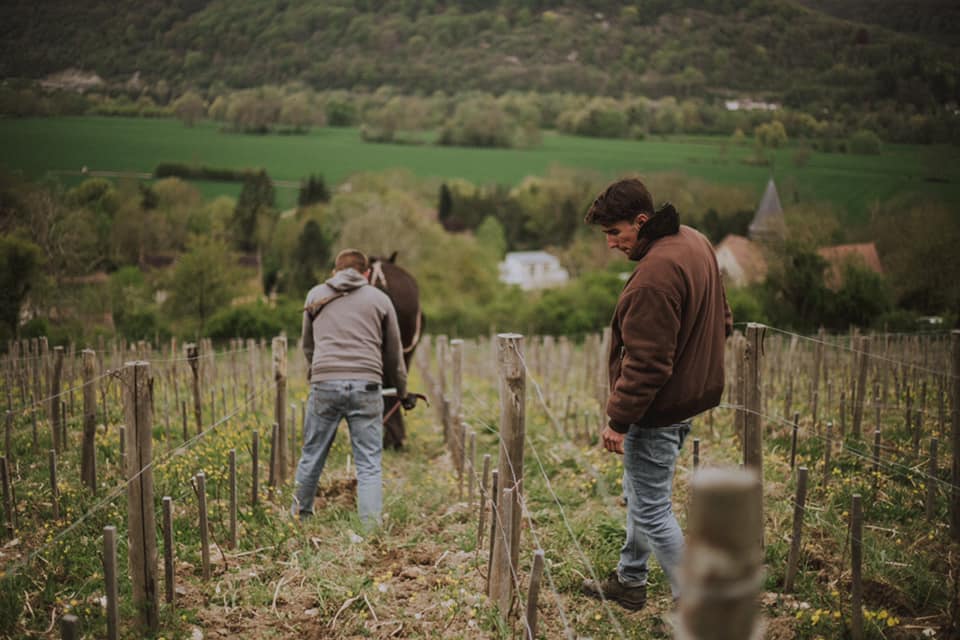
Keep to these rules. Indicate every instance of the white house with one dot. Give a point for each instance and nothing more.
(532, 270)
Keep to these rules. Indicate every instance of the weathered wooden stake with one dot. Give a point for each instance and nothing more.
(512, 374)
(168, 574)
(193, 359)
(533, 594)
(793, 440)
(9, 509)
(799, 503)
(88, 468)
(722, 565)
(856, 568)
(110, 582)
(861, 398)
(484, 490)
(932, 480)
(54, 486)
(142, 528)
(233, 498)
(827, 449)
(201, 479)
(494, 505)
(55, 415)
(471, 465)
(274, 442)
(753, 425)
(503, 571)
(955, 437)
(696, 453)
(278, 451)
(70, 627)
(255, 470)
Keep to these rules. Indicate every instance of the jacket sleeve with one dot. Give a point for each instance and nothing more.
(394, 371)
(649, 322)
(306, 337)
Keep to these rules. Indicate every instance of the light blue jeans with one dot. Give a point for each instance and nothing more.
(328, 404)
(649, 461)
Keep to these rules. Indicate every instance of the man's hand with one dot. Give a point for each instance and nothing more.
(612, 440)
(408, 402)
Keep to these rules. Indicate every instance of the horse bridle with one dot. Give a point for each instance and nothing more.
(377, 277)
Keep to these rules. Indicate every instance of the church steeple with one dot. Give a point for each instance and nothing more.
(768, 223)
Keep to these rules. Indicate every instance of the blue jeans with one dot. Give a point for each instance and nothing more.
(330, 402)
(649, 460)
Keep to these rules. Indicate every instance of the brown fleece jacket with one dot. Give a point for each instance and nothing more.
(666, 349)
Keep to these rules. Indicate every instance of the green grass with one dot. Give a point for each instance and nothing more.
(853, 183)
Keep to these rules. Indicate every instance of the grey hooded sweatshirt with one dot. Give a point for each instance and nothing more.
(354, 337)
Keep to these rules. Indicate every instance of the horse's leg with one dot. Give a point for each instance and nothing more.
(393, 428)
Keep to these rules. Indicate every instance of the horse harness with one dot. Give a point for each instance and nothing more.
(377, 277)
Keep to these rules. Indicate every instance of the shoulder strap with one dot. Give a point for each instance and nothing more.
(313, 310)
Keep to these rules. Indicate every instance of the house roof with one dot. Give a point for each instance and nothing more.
(748, 256)
(864, 253)
(768, 219)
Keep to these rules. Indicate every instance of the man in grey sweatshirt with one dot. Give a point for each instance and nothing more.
(352, 341)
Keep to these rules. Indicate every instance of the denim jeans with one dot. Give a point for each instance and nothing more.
(649, 461)
(330, 402)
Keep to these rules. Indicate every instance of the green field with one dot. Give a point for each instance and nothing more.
(853, 183)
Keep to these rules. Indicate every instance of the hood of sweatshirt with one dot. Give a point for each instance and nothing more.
(346, 280)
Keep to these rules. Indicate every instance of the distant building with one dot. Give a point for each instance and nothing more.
(741, 261)
(863, 255)
(750, 105)
(768, 222)
(532, 270)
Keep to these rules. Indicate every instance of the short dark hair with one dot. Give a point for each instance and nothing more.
(623, 200)
(351, 259)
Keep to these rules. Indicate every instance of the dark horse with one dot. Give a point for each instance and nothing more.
(402, 289)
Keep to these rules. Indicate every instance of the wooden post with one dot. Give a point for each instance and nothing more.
(483, 500)
(503, 571)
(54, 487)
(110, 582)
(722, 565)
(696, 453)
(462, 439)
(193, 359)
(739, 416)
(512, 374)
(864, 364)
(932, 480)
(55, 415)
(917, 429)
(876, 460)
(70, 627)
(799, 503)
(169, 577)
(274, 442)
(255, 471)
(33, 422)
(201, 479)
(494, 502)
(955, 439)
(533, 594)
(183, 413)
(142, 528)
(471, 466)
(793, 440)
(88, 468)
(856, 567)
(279, 449)
(9, 509)
(456, 398)
(8, 435)
(827, 450)
(753, 425)
(233, 498)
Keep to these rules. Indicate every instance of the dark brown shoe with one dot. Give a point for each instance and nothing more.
(632, 598)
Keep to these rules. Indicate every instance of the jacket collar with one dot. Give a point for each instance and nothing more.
(664, 222)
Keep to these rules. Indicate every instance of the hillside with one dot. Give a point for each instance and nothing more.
(775, 49)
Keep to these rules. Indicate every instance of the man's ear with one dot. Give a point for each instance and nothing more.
(641, 219)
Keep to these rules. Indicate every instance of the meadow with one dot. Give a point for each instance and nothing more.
(853, 183)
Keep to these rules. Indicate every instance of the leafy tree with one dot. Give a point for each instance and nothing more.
(21, 263)
(490, 236)
(771, 135)
(310, 258)
(795, 294)
(203, 282)
(256, 201)
(864, 142)
(444, 205)
(312, 191)
(189, 108)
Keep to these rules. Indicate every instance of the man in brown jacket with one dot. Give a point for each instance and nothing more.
(666, 366)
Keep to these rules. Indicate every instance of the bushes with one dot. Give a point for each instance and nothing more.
(256, 321)
(201, 172)
(864, 142)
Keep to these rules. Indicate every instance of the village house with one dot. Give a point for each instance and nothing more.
(532, 270)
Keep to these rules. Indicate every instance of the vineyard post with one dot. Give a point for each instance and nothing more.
(110, 580)
(722, 568)
(503, 570)
(955, 439)
(753, 428)
(471, 466)
(856, 568)
(55, 415)
(483, 499)
(533, 594)
(696, 453)
(279, 347)
(168, 573)
(861, 397)
(255, 470)
(512, 427)
(142, 528)
(494, 505)
(201, 486)
(232, 461)
(932, 479)
(795, 541)
(88, 473)
(193, 359)
(54, 486)
(69, 627)
(9, 512)
(456, 390)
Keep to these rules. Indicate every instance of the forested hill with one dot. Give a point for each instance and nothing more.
(806, 53)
